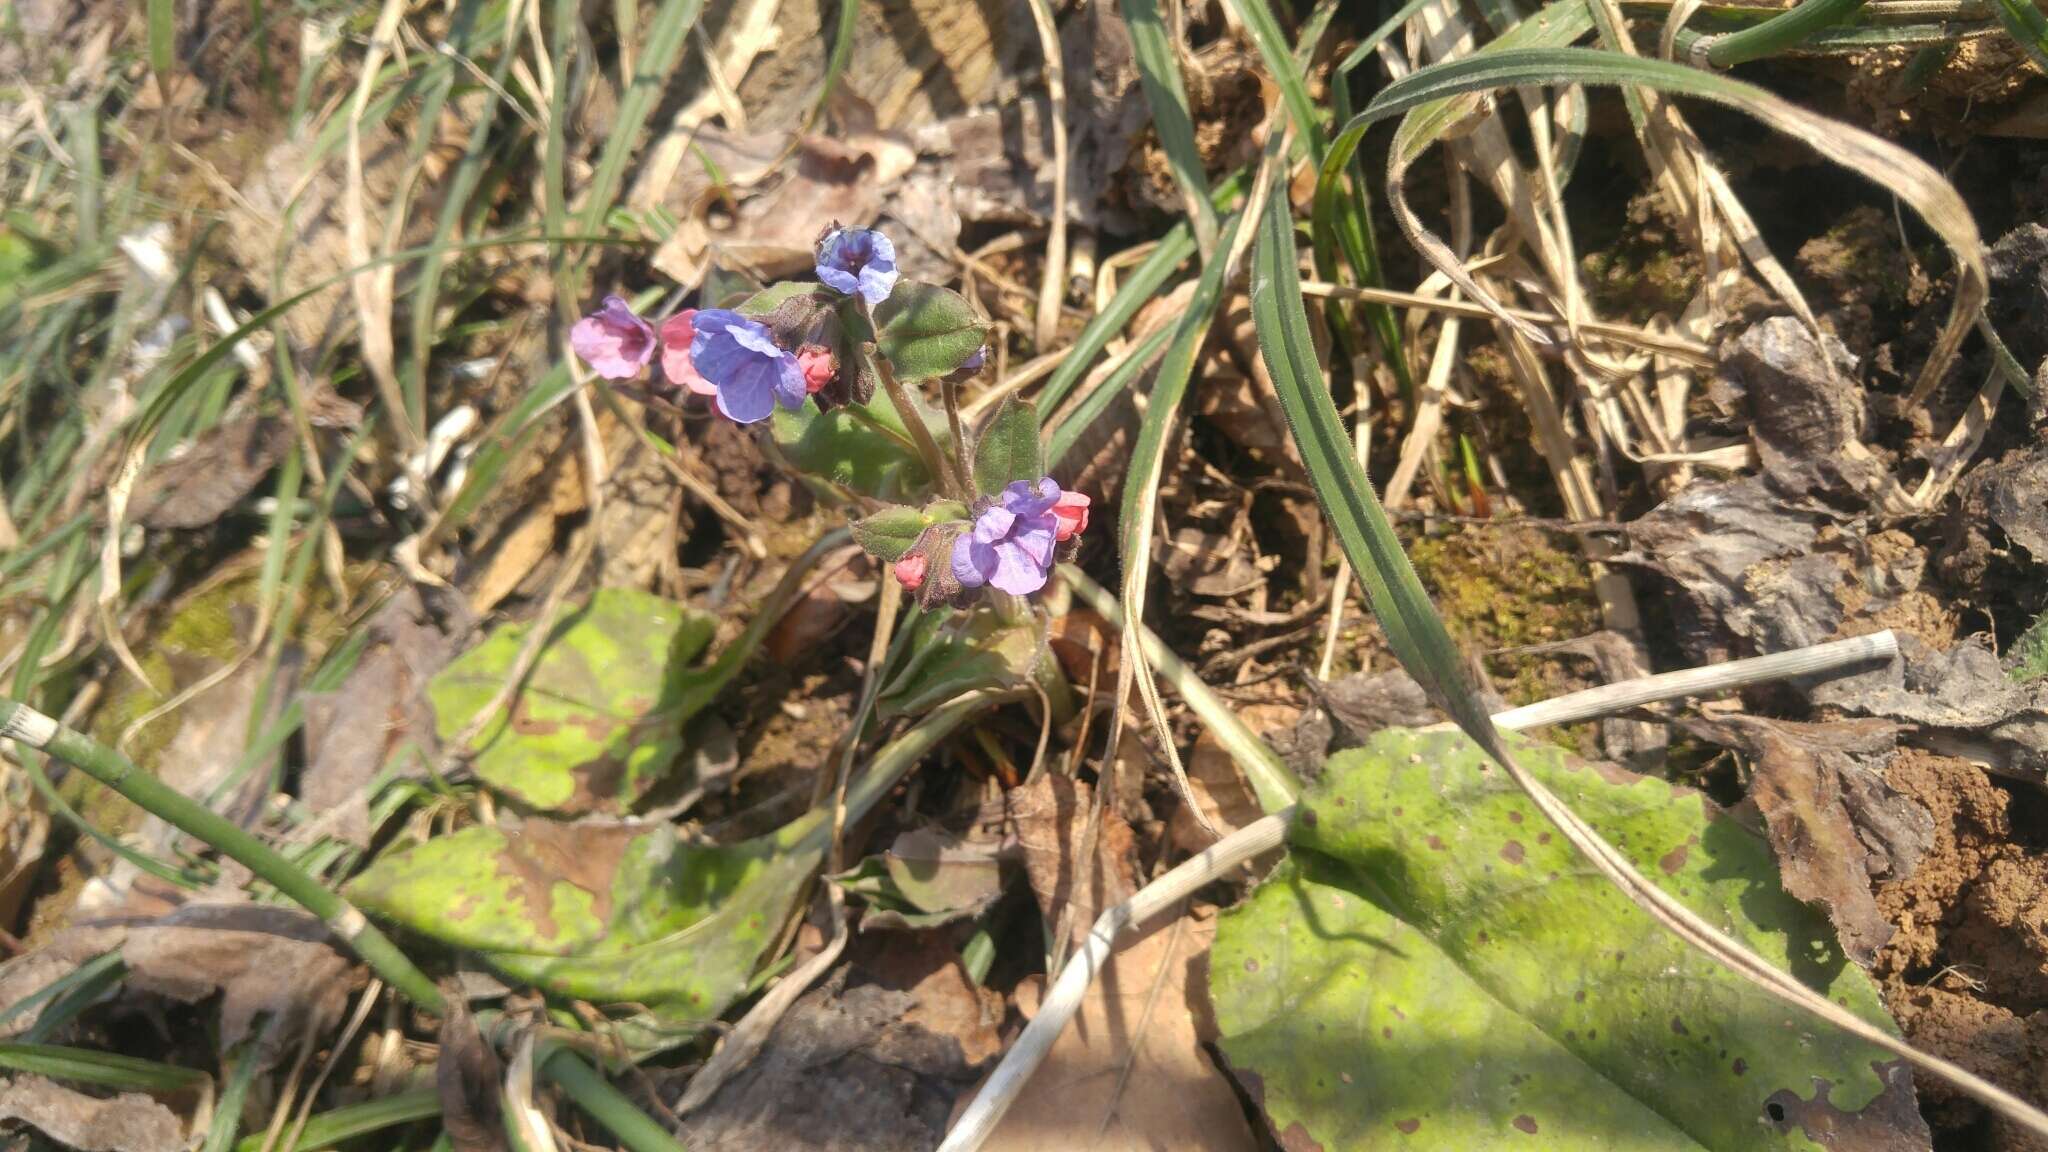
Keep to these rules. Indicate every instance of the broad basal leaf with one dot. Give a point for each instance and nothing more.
(608, 913)
(1436, 968)
(600, 717)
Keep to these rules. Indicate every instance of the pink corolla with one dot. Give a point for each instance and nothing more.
(613, 340)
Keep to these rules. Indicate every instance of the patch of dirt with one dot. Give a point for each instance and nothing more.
(1966, 974)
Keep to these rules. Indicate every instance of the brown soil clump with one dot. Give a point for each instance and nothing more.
(1966, 975)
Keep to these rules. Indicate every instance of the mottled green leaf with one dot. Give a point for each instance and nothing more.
(618, 914)
(598, 720)
(1436, 968)
(609, 913)
(1008, 448)
(928, 331)
(888, 534)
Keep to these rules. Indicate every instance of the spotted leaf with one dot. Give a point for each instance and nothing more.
(1435, 968)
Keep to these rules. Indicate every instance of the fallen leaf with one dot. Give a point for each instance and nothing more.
(1129, 1073)
(1805, 411)
(844, 1071)
(1961, 702)
(218, 468)
(470, 1078)
(1834, 824)
(129, 1122)
(380, 710)
(263, 960)
(1051, 816)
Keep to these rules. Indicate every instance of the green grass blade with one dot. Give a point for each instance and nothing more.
(427, 291)
(1278, 56)
(103, 1068)
(1413, 629)
(2028, 27)
(163, 37)
(1366, 47)
(1135, 292)
(835, 63)
(331, 1128)
(1069, 429)
(1159, 71)
(1780, 33)
(657, 61)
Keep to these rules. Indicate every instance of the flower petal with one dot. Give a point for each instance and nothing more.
(1016, 572)
(973, 562)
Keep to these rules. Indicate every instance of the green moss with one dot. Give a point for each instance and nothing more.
(1649, 269)
(1503, 589)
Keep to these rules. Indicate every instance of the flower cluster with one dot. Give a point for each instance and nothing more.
(991, 518)
(748, 363)
(1007, 541)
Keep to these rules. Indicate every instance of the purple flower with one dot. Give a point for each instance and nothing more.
(858, 260)
(739, 357)
(1011, 544)
(613, 340)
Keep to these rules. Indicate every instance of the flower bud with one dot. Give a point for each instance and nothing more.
(819, 367)
(910, 571)
(1070, 515)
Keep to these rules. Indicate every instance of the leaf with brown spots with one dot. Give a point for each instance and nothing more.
(608, 913)
(599, 720)
(1481, 987)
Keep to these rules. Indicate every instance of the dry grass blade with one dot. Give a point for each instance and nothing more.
(1053, 278)
(1437, 100)
(373, 287)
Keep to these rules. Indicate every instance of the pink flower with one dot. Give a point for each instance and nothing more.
(1070, 515)
(676, 333)
(910, 570)
(613, 340)
(818, 366)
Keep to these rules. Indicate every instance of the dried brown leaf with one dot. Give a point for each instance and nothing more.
(220, 467)
(469, 1077)
(1833, 822)
(1051, 815)
(129, 1122)
(1130, 1073)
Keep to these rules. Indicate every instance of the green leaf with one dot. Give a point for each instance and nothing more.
(1008, 448)
(888, 534)
(927, 331)
(610, 913)
(871, 456)
(628, 913)
(775, 295)
(924, 880)
(951, 658)
(599, 719)
(1436, 968)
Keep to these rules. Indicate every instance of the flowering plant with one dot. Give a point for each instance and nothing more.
(835, 366)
